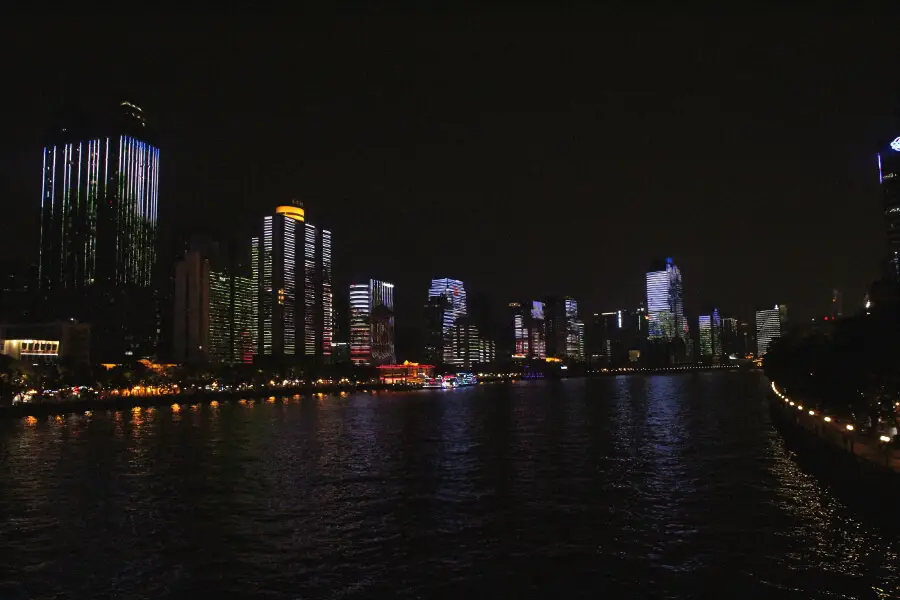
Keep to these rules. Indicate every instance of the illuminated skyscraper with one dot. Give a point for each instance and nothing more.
(360, 329)
(769, 326)
(292, 268)
(243, 329)
(574, 332)
(889, 179)
(221, 312)
(529, 330)
(327, 297)
(211, 313)
(465, 345)
(98, 242)
(538, 331)
(455, 292)
(665, 305)
(255, 294)
(99, 203)
(521, 339)
(710, 331)
(733, 342)
(372, 323)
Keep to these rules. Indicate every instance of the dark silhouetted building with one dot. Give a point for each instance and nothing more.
(436, 310)
(889, 179)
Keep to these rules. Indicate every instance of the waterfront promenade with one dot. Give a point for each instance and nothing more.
(871, 449)
(126, 400)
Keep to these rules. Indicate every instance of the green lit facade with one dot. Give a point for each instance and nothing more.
(99, 207)
(98, 230)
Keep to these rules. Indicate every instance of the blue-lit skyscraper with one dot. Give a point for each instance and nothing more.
(455, 293)
(665, 305)
(98, 234)
(99, 203)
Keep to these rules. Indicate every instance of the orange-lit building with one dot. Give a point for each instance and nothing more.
(408, 372)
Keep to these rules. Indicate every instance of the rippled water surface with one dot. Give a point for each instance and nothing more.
(630, 487)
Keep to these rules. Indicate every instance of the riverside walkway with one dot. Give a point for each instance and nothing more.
(874, 449)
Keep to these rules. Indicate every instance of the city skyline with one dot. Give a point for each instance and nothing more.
(412, 153)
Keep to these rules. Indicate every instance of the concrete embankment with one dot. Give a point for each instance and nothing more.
(839, 438)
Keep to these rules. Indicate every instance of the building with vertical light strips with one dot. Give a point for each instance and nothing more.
(372, 323)
(574, 331)
(291, 264)
(98, 229)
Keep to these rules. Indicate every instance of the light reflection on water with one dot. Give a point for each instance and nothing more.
(665, 486)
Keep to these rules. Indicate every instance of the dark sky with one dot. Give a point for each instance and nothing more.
(527, 154)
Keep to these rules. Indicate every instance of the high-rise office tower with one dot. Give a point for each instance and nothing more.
(455, 292)
(538, 331)
(243, 325)
(709, 326)
(732, 338)
(521, 340)
(98, 241)
(372, 323)
(616, 338)
(770, 325)
(212, 313)
(463, 344)
(529, 330)
(292, 269)
(889, 178)
(99, 202)
(555, 320)
(436, 309)
(191, 316)
(574, 331)
(665, 305)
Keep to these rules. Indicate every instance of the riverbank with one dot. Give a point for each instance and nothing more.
(663, 370)
(127, 402)
(40, 409)
(867, 454)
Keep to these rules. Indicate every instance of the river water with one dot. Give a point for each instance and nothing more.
(669, 486)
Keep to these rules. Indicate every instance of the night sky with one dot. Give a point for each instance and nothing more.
(527, 154)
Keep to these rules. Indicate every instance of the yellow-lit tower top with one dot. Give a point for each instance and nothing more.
(294, 210)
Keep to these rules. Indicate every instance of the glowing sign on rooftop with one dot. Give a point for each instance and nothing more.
(292, 212)
(895, 145)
